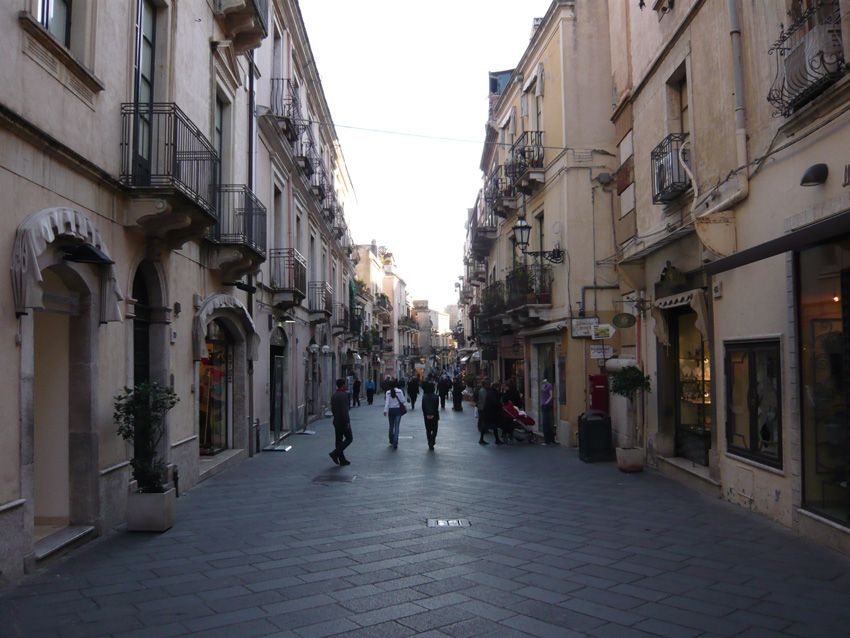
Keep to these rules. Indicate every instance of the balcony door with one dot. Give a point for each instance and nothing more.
(143, 92)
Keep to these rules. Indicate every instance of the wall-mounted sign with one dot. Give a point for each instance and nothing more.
(602, 331)
(601, 352)
(580, 327)
(624, 320)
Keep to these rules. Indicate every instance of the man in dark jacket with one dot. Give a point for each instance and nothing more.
(342, 423)
(413, 390)
(491, 415)
(431, 413)
(443, 387)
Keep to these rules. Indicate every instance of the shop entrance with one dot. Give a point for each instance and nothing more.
(278, 416)
(216, 376)
(692, 380)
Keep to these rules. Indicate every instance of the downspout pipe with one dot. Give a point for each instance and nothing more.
(706, 207)
(253, 435)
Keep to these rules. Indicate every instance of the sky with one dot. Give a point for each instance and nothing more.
(418, 68)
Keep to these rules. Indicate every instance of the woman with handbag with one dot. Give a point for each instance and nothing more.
(394, 409)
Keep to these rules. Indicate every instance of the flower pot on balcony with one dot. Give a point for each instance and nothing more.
(631, 459)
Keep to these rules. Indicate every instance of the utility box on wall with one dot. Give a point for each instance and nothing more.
(599, 393)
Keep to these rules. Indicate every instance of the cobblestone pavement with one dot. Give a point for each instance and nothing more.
(556, 547)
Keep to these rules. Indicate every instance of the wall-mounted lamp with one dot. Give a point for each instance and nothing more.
(815, 175)
(326, 349)
(313, 347)
(521, 235)
(177, 308)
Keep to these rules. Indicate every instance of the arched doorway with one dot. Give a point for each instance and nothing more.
(279, 421)
(215, 396)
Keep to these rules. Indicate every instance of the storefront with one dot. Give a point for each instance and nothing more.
(215, 390)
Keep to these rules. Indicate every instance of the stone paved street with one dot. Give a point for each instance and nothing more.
(556, 547)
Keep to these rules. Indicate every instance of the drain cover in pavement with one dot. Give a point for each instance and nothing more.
(335, 478)
(405, 436)
(448, 522)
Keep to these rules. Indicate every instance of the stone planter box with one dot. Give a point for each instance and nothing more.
(631, 459)
(151, 512)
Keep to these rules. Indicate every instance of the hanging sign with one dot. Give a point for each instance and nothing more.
(580, 327)
(624, 320)
(602, 331)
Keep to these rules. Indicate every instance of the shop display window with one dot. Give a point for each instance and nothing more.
(693, 426)
(754, 401)
(213, 404)
(824, 334)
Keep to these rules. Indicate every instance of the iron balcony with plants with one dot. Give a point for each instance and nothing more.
(524, 167)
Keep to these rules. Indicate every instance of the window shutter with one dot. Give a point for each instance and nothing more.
(513, 121)
(538, 87)
(523, 105)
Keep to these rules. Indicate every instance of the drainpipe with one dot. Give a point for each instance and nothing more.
(253, 433)
(706, 207)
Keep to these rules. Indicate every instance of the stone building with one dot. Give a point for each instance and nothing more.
(539, 236)
(175, 194)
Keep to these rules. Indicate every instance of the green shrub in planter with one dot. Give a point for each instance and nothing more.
(628, 381)
(140, 416)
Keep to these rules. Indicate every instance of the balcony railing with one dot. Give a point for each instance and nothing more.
(339, 226)
(320, 297)
(669, 178)
(241, 218)
(809, 57)
(341, 320)
(286, 106)
(319, 182)
(288, 272)
(162, 149)
(382, 303)
(493, 299)
(529, 285)
(499, 191)
(305, 149)
(526, 155)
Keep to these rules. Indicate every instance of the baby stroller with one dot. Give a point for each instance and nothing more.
(516, 425)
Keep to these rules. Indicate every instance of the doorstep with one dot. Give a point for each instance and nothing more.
(62, 539)
(212, 465)
(689, 473)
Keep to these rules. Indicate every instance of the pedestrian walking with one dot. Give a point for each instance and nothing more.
(491, 415)
(342, 423)
(457, 394)
(355, 392)
(443, 387)
(547, 412)
(393, 409)
(370, 391)
(431, 413)
(413, 390)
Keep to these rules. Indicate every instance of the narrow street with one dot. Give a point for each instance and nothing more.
(287, 544)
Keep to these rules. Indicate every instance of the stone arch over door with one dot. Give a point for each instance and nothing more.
(60, 250)
(231, 314)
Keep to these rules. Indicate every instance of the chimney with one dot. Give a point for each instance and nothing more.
(535, 25)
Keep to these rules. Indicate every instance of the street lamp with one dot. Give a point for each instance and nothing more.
(521, 235)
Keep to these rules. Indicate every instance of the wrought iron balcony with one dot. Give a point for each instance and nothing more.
(240, 232)
(529, 285)
(669, 178)
(382, 304)
(288, 277)
(524, 167)
(320, 300)
(305, 149)
(484, 232)
(387, 345)
(319, 182)
(286, 107)
(329, 207)
(341, 322)
(244, 22)
(809, 57)
(171, 170)
(476, 272)
(499, 192)
(493, 299)
(339, 227)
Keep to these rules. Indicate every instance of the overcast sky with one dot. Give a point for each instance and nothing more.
(416, 68)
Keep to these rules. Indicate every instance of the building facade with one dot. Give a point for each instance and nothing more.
(175, 215)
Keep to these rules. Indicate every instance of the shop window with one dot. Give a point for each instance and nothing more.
(824, 333)
(213, 403)
(754, 401)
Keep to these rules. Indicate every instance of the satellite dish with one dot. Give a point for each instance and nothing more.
(624, 320)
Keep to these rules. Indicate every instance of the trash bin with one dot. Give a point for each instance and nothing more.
(594, 437)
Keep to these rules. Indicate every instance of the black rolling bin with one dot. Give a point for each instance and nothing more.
(594, 437)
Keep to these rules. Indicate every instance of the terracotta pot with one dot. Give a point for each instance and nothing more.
(631, 459)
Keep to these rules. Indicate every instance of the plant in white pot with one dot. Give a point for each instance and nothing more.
(140, 416)
(628, 382)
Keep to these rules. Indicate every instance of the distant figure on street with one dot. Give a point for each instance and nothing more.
(413, 390)
(491, 415)
(370, 391)
(481, 398)
(431, 413)
(547, 412)
(342, 423)
(349, 382)
(355, 392)
(457, 394)
(393, 401)
(443, 387)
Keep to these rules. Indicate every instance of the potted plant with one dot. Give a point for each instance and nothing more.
(627, 382)
(140, 416)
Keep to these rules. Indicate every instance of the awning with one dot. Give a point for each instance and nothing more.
(815, 233)
(554, 326)
(694, 298)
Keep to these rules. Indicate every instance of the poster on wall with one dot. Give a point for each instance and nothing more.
(581, 327)
(562, 380)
